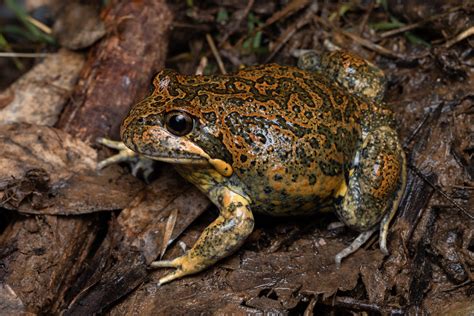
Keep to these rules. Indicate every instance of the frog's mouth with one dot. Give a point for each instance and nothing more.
(156, 143)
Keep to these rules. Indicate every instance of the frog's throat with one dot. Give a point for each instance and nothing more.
(221, 166)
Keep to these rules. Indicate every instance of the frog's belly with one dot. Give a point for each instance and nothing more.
(296, 198)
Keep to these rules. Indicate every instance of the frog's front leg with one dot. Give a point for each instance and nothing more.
(124, 155)
(139, 164)
(375, 186)
(221, 238)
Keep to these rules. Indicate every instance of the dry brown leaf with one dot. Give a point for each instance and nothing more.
(38, 96)
(46, 171)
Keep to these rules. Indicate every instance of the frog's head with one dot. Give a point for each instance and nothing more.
(170, 125)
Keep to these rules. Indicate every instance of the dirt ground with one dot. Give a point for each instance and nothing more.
(77, 241)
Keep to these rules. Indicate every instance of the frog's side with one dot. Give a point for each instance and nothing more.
(272, 139)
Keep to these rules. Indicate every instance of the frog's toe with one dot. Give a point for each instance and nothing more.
(114, 144)
(384, 225)
(165, 264)
(171, 276)
(356, 244)
(178, 273)
(183, 265)
(124, 154)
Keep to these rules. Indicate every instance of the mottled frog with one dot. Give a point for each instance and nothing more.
(278, 140)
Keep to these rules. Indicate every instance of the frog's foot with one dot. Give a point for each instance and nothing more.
(139, 165)
(124, 155)
(375, 187)
(220, 239)
(356, 244)
(353, 73)
(184, 265)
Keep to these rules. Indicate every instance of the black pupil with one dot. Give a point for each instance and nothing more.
(178, 123)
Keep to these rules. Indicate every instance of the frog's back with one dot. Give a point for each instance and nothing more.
(289, 133)
(304, 131)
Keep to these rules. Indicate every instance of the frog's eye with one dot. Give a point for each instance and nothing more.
(179, 123)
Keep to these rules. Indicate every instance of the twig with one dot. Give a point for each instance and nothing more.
(289, 9)
(440, 191)
(349, 302)
(370, 45)
(460, 37)
(216, 54)
(362, 41)
(365, 18)
(23, 55)
(286, 35)
(239, 17)
(43, 27)
(417, 130)
(310, 308)
(201, 66)
(402, 29)
(417, 24)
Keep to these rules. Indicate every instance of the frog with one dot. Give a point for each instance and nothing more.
(274, 139)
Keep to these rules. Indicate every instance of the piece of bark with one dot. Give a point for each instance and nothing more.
(133, 241)
(78, 25)
(118, 71)
(43, 254)
(40, 257)
(39, 96)
(304, 269)
(47, 171)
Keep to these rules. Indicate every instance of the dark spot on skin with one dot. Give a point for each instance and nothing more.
(209, 116)
(284, 155)
(237, 101)
(230, 86)
(297, 75)
(203, 98)
(308, 114)
(278, 177)
(267, 190)
(243, 158)
(173, 92)
(262, 138)
(294, 177)
(314, 143)
(330, 167)
(312, 179)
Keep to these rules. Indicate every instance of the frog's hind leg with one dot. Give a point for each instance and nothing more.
(375, 186)
(221, 238)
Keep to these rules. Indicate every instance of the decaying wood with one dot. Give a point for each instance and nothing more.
(39, 96)
(47, 171)
(135, 238)
(43, 255)
(119, 69)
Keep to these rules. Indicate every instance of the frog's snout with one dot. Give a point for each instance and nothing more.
(148, 137)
